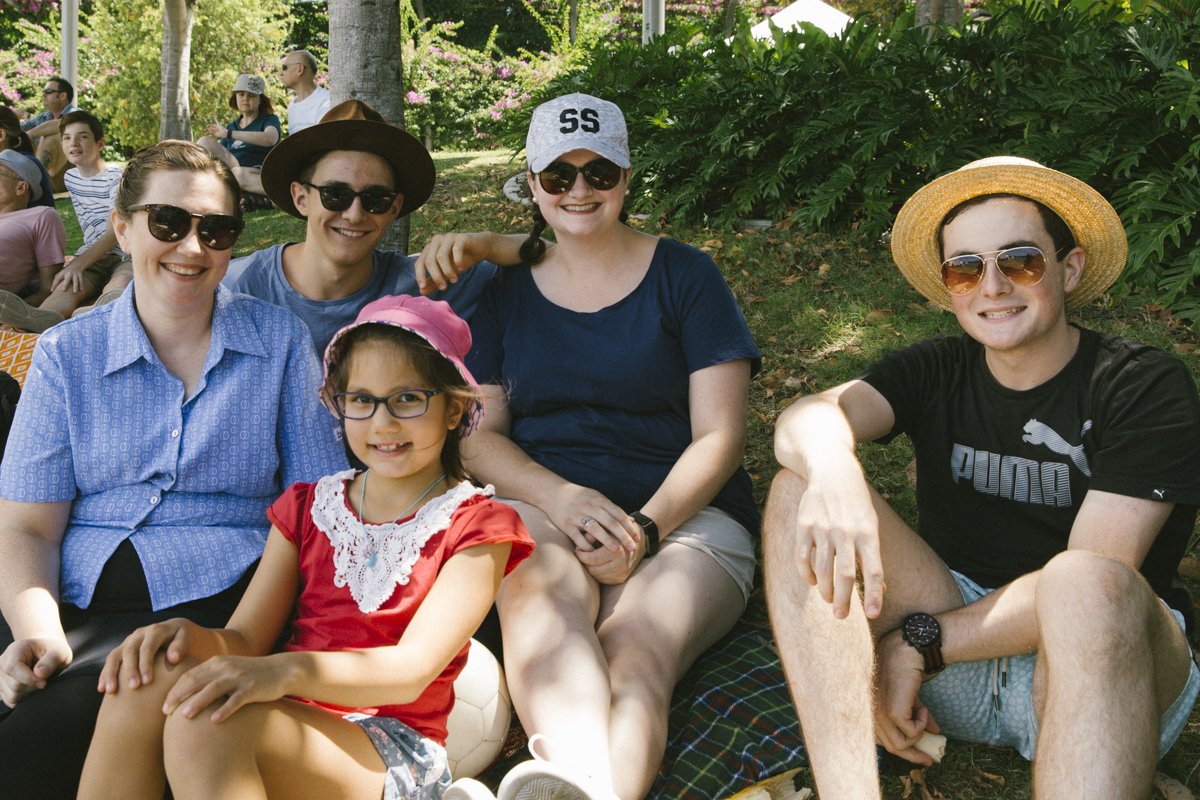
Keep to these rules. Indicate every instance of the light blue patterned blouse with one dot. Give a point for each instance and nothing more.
(103, 423)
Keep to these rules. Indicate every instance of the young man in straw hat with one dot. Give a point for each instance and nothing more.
(349, 177)
(1057, 476)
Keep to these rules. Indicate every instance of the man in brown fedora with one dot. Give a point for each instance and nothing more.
(1058, 472)
(349, 177)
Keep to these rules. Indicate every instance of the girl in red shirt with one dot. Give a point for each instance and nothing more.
(355, 701)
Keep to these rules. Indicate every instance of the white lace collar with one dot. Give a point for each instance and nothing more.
(373, 559)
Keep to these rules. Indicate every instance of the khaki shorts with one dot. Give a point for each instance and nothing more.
(712, 532)
(100, 273)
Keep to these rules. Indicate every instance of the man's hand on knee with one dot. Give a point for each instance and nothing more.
(837, 532)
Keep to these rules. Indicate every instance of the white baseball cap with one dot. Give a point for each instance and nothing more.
(576, 122)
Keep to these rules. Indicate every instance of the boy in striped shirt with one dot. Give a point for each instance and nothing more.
(99, 268)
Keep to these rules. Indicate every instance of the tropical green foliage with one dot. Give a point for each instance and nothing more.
(124, 56)
(836, 133)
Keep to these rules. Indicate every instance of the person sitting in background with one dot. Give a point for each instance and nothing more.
(99, 269)
(298, 71)
(13, 138)
(349, 178)
(58, 98)
(32, 238)
(243, 143)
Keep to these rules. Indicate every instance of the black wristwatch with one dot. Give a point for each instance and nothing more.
(650, 528)
(923, 633)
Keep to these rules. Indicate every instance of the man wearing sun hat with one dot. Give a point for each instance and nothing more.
(1057, 471)
(349, 177)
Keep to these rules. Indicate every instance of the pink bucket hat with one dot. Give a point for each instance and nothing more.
(432, 320)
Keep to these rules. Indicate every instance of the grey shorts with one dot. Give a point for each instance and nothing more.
(991, 702)
(417, 767)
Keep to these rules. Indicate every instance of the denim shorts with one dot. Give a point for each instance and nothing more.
(417, 767)
(991, 702)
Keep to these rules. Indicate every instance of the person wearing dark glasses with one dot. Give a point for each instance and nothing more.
(1057, 478)
(618, 365)
(151, 436)
(349, 177)
(58, 99)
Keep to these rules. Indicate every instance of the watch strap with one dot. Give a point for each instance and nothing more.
(650, 528)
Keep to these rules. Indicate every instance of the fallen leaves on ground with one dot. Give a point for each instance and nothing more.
(917, 787)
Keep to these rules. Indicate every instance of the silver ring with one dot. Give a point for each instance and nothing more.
(585, 521)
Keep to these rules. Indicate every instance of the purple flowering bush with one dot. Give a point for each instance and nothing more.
(458, 96)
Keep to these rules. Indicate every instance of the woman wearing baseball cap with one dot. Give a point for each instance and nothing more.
(244, 142)
(618, 365)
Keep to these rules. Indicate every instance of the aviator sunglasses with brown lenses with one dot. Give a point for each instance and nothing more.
(169, 223)
(558, 177)
(1024, 266)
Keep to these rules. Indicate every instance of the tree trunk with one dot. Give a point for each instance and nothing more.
(573, 19)
(731, 7)
(943, 13)
(365, 64)
(175, 120)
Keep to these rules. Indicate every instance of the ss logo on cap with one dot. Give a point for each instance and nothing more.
(573, 119)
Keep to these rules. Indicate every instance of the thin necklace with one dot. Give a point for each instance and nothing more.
(362, 498)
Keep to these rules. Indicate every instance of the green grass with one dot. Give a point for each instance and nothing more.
(822, 308)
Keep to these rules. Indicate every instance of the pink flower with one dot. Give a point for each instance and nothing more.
(416, 99)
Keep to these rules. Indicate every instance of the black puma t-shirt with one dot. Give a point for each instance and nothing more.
(1001, 474)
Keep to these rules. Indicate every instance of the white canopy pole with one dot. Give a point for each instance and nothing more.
(654, 16)
(69, 63)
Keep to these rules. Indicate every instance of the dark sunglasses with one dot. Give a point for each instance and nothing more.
(558, 177)
(48, 90)
(172, 223)
(1024, 266)
(375, 199)
(404, 404)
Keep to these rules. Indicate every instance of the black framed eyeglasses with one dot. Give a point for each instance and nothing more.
(558, 177)
(169, 223)
(338, 197)
(404, 404)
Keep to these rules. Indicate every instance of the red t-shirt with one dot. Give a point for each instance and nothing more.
(326, 616)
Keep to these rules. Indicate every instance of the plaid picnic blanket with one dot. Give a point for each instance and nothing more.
(732, 721)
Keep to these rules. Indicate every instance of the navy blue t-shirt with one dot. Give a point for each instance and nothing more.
(601, 398)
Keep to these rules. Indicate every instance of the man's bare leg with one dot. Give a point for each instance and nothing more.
(1111, 661)
(829, 662)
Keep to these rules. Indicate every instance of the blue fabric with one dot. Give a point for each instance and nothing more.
(251, 155)
(601, 399)
(261, 275)
(102, 423)
(46, 116)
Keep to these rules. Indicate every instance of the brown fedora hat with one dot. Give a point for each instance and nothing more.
(351, 125)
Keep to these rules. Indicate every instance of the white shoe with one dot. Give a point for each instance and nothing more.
(544, 780)
(468, 789)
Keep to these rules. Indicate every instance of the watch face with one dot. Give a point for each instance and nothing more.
(921, 630)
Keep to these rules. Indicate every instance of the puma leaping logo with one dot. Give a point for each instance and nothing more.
(1040, 433)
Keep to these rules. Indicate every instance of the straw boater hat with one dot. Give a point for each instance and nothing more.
(352, 125)
(1095, 224)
